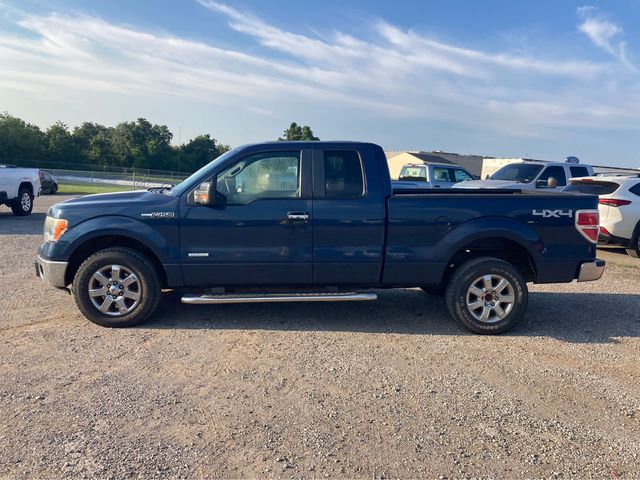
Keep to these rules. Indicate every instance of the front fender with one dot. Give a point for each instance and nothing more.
(162, 238)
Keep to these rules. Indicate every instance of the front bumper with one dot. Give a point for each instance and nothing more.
(52, 272)
(590, 271)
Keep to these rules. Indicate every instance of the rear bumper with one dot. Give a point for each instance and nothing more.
(52, 272)
(604, 239)
(590, 271)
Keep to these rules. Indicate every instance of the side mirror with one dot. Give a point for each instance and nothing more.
(205, 194)
(542, 183)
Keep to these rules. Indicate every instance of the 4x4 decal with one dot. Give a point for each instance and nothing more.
(553, 213)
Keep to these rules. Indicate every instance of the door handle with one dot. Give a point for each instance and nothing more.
(298, 217)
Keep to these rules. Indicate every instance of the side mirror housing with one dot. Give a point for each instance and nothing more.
(541, 184)
(205, 194)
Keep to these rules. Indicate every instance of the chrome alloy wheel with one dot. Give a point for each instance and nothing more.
(115, 290)
(490, 298)
(25, 202)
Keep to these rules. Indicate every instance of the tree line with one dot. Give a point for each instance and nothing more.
(138, 144)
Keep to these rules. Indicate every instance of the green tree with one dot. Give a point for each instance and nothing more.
(60, 144)
(198, 152)
(19, 140)
(298, 133)
(94, 144)
(143, 145)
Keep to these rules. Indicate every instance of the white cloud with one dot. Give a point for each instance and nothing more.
(396, 74)
(604, 34)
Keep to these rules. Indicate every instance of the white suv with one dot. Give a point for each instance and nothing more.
(619, 208)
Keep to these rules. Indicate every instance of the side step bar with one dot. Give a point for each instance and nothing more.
(195, 299)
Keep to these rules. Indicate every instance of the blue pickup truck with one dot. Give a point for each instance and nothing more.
(316, 221)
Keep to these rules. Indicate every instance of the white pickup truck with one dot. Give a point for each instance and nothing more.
(18, 188)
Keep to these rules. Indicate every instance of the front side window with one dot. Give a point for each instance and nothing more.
(343, 174)
(461, 175)
(263, 175)
(555, 172)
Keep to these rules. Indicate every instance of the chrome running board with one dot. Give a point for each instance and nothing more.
(195, 299)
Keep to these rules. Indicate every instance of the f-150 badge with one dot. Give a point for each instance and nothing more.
(553, 213)
(158, 215)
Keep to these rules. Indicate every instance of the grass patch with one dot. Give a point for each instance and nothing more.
(68, 189)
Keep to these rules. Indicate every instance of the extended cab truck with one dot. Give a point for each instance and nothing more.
(532, 175)
(430, 175)
(18, 188)
(314, 221)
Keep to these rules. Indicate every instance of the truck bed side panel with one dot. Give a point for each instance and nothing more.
(426, 231)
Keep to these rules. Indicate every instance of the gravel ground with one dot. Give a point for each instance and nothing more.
(380, 389)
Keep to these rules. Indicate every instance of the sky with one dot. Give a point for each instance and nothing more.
(544, 79)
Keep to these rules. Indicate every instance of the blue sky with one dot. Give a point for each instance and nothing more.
(544, 80)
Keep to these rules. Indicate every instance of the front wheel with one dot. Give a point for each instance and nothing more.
(117, 287)
(23, 204)
(487, 295)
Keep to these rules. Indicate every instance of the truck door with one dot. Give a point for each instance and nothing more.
(260, 231)
(348, 218)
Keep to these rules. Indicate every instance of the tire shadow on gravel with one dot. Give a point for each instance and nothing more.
(29, 225)
(570, 317)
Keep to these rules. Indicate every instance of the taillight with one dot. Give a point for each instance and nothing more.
(612, 202)
(604, 231)
(588, 224)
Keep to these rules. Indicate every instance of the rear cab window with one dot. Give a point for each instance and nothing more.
(413, 173)
(343, 174)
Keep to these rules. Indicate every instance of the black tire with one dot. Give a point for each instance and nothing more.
(147, 283)
(437, 291)
(459, 294)
(54, 189)
(634, 251)
(22, 205)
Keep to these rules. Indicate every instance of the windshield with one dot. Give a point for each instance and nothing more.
(186, 183)
(517, 172)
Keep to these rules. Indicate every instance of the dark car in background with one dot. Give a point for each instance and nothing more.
(49, 182)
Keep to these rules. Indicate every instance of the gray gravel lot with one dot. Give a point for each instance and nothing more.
(392, 388)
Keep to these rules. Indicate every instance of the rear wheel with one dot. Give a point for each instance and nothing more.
(22, 205)
(634, 251)
(487, 295)
(117, 287)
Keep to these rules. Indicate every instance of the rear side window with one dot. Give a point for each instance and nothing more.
(591, 187)
(441, 174)
(555, 172)
(343, 174)
(579, 172)
(635, 189)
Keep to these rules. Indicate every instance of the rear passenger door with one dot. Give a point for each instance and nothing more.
(348, 218)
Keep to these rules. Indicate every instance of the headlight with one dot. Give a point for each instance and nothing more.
(54, 228)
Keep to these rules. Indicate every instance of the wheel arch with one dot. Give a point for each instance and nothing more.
(94, 244)
(504, 247)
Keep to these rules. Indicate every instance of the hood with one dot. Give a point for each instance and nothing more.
(127, 204)
(507, 184)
